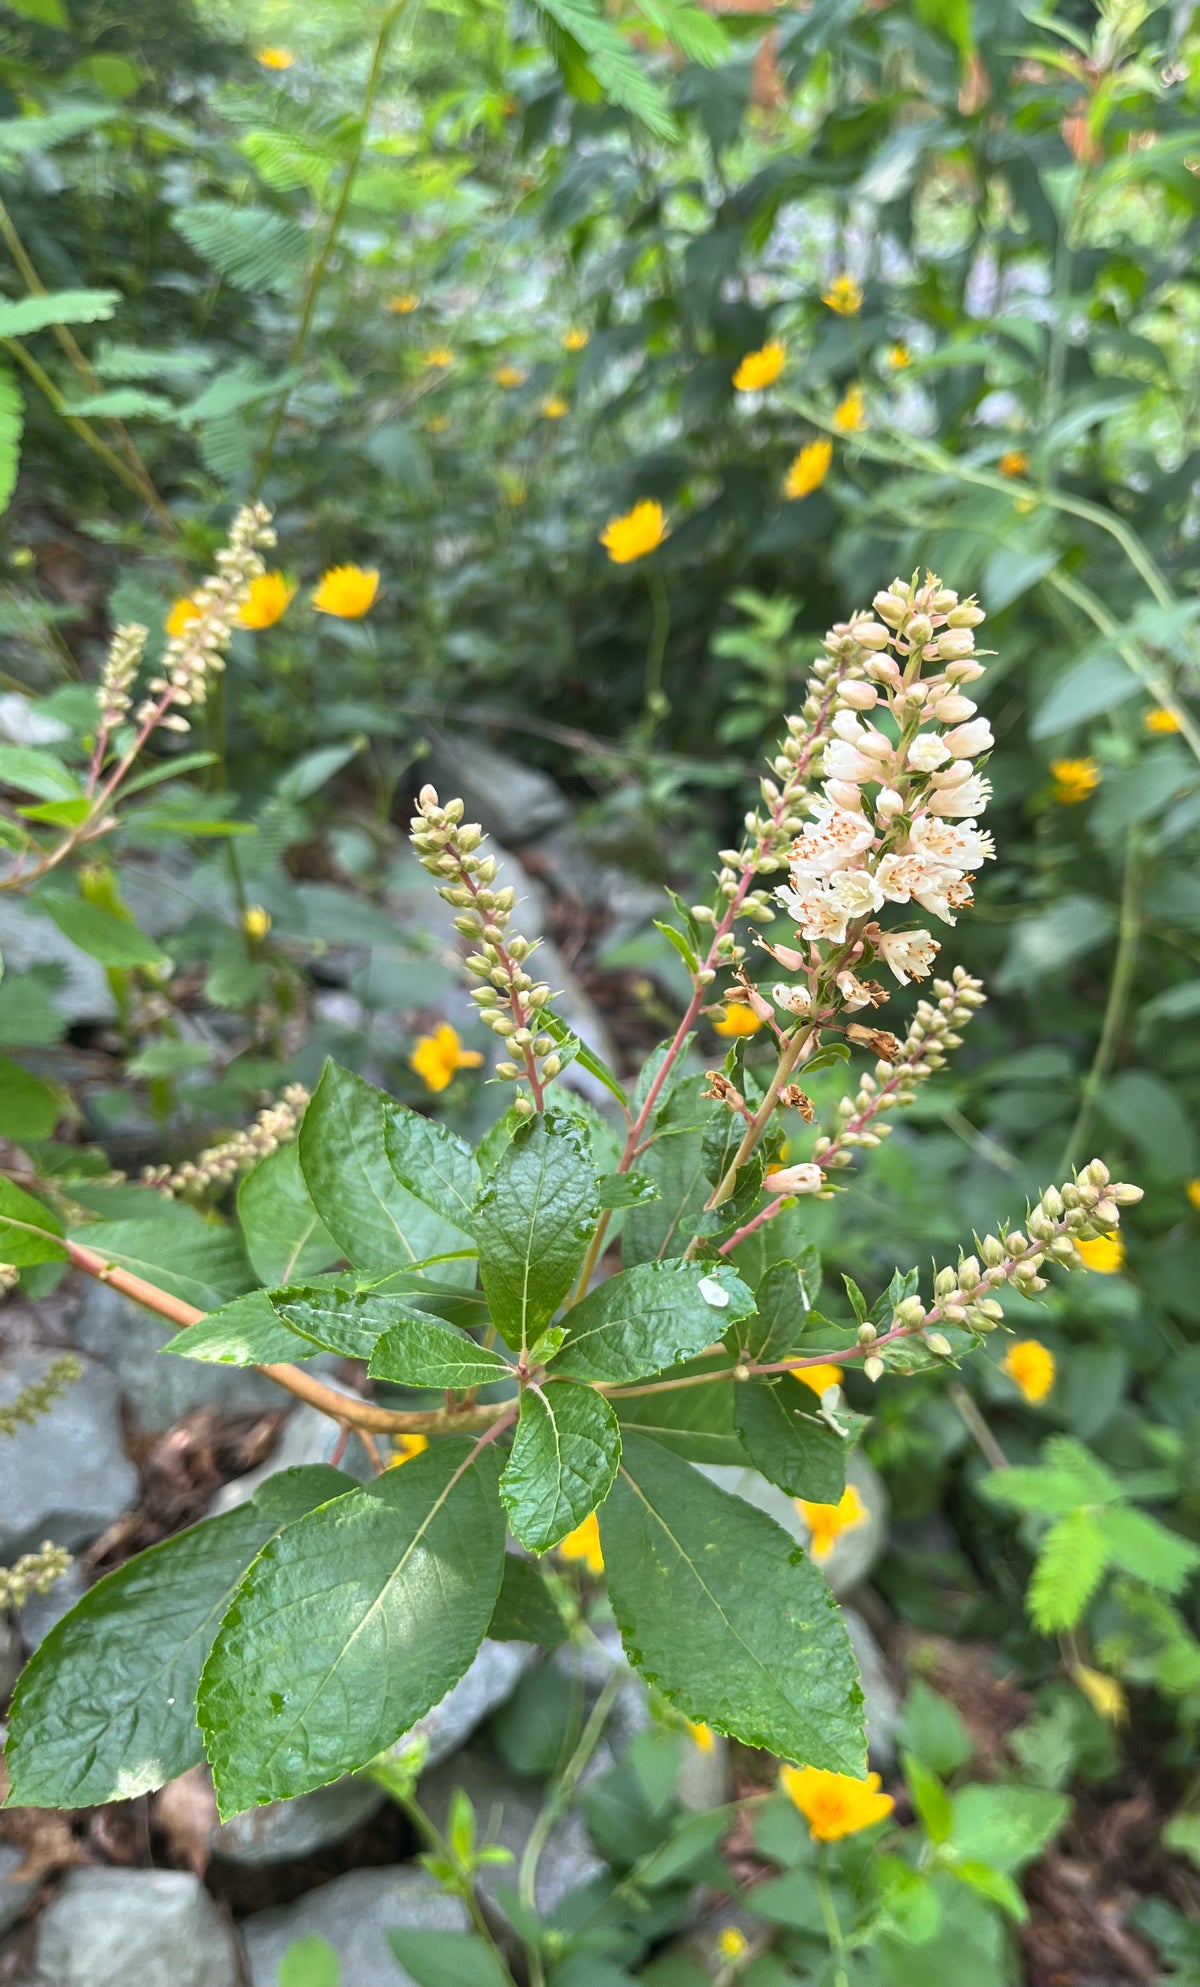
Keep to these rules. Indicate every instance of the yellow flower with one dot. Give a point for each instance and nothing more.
(827, 1522)
(403, 304)
(1074, 780)
(844, 296)
(405, 1447)
(809, 469)
(274, 58)
(849, 417)
(897, 357)
(438, 357)
(554, 407)
(266, 601)
(1030, 1366)
(346, 592)
(819, 1378)
(437, 424)
(761, 368)
(437, 1058)
(1104, 1694)
(1014, 462)
(256, 922)
(737, 1019)
(701, 1736)
(1105, 1253)
(574, 340)
(834, 1804)
(1192, 1190)
(507, 376)
(182, 615)
(1160, 720)
(584, 1543)
(732, 1944)
(641, 530)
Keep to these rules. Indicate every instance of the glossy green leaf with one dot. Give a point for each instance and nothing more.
(650, 1317)
(564, 1456)
(105, 1708)
(347, 1321)
(525, 1608)
(187, 1256)
(27, 1229)
(244, 1333)
(721, 1611)
(351, 1625)
(377, 1223)
(424, 1352)
(695, 1421)
(783, 1300)
(433, 1163)
(285, 1237)
(794, 1449)
(532, 1224)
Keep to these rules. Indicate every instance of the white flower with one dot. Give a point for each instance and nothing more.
(833, 841)
(962, 847)
(910, 954)
(842, 762)
(793, 1000)
(795, 1180)
(859, 696)
(901, 876)
(952, 707)
(969, 798)
(816, 915)
(856, 891)
(853, 992)
(887, 803)
(927, 753)
(967, 741)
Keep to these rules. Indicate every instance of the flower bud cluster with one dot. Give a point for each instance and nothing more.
(34, 1573)
(10, 1276)
(195, 656)
(894, 1083)
(509, 999)
(965, 1296)
(114, 693)
(40, 1395)
(215, 1168)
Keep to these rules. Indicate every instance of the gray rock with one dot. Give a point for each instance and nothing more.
(82, 992)
(855, 1551)
(65, 1475)
(505, 1811)
(703, 1780)
(882, 1701)
(160, 1928)
(42, 1612)
(491, 1679)
(14, 1896)
(284, 1831)
(307, 1436)
(159, 1389)
(514, 802)
(23, 723)
(354, 1914)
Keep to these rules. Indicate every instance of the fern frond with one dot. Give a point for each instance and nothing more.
(250, 247)
(610, 61)
(1071, 1559)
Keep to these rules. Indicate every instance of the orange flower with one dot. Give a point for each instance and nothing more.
(1161, 720)
(835, 1804)
(1014, 462)
(1104, 1253)
(437, 1058)
(820, 1379)
(1074, 780)
(827, 1522)
(761, 368)
(266, 601)
(584, 1543)
(737, 1019)
(346, 592)
(1030, 1366)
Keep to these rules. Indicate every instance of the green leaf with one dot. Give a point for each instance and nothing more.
(433, 1163)
(252, 248)
(351, 1625)
(533, 1221)
(310, 1962)
(186, 1256)
(243, 1333)
(525, 1609)
(30, 770)
(932, 1728)
(564, 1457)
(12, 422)
(286, 1240)
(350, 1322)
(427, 1353)
(995, 1885)
(1138, 1544)
(1006, 1826)
(17, 1244)
(721, 1611)
(448, 1959)
(122, 403)
(1071, 1559)
(29, 1108)
(377, 1223)
(580, 1052)
(797, 1451)
(648, 1318)
(694, 1421)
(929, 1798)
(58, 813)
(784, 1298)
(626, 1189)
(114, 941)
(609, 61)
(27, 314)
(105, 1708)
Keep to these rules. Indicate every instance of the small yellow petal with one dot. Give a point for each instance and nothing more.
(1074, 780)
(1161, 720)
(820, 1379)
(732, 1943)
(849, 417)
(554, 407)
(1104, 1693)
(405, 1447)
(256, 922)
(1030, 1366)
(639, 531)
(809, 469)
(437, 1058)
(762, 368)
(346, 592)
(1104, 1253)
(835, 1804)
(267, 600)
(574, 340)
(403, 304)
(584, 1544)
(1014, 462)
(844, 296)
(827, 1522)
(183, 613)
(274, 58)
(737, 1018)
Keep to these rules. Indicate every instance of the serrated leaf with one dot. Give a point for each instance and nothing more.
(532, 1222)
(525, 1608)
(720, 1610)
(105, 1709)
(796, 1450)
(1071, 1560)
(286, 1240)
(350, 1322)
(564, 1457)
(27, 314)
(695, 1421)
(351, 1625)
(245, 1332)
(122, 403)
(424, 1352)
(783, 1300)
(135, 362)
(433, 1163)
(650, 1317)
(626, 1189)
(378, 1225)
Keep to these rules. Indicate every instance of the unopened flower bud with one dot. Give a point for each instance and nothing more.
(939, 1343)
(873, 1368)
